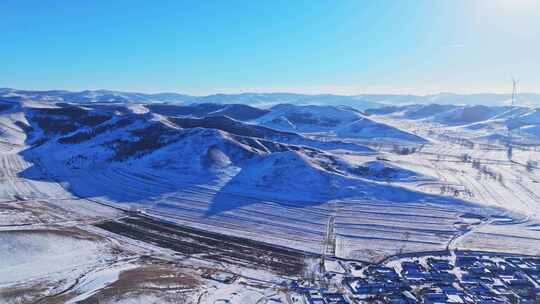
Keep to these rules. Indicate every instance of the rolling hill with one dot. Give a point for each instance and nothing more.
(478, 122)
(219, 174)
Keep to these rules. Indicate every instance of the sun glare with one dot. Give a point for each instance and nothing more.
(525, 6)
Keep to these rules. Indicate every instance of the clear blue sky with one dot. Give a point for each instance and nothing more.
(203, 47)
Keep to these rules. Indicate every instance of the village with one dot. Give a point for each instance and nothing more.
(459, 277)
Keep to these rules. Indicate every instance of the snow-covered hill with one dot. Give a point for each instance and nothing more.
(212, 172)
(235, 111)
(478, 122)
(229, 125)
(78, 139)
(194, 166)
(343, 122)
(336, 123)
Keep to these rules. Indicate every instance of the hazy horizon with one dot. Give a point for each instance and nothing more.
(268, 92)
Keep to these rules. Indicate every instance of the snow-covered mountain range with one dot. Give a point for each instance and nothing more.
(198, 145)
(201, 145)
(360, 101)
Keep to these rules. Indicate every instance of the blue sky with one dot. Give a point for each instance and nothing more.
(204, 47)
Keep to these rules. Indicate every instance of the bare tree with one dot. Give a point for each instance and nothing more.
(531, 165)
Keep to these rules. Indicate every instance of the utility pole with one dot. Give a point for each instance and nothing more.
(328, 250)
(329, 242)
(514, 95)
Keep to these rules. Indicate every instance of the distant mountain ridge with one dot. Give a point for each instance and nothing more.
(361, 101)
(93, 96)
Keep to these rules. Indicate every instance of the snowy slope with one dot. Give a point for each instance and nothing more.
(27, 255)
(249, 130)
(234, 177)
(490, 123)
(224, 175)
(342, 122)
(368, 129)
(308, 118)
(235, 111)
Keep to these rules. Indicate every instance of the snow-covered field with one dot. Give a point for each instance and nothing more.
(34, 254)
(486, 177)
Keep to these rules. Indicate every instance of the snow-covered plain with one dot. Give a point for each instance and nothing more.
(31, 254)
